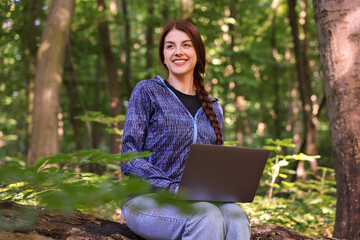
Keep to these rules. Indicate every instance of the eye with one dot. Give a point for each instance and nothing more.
(187, 45)
(169, 46)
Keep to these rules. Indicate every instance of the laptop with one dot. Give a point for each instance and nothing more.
(222, 173)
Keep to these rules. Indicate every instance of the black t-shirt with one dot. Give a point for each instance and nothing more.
(191, 102)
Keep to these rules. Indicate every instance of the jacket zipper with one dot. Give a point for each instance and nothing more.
(193, 118)
(195, 125)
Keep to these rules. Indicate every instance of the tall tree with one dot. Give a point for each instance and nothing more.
(48, 78)
(71, 88)
(30, 51)
(187, 9)
(149, 38)
(127, 47)
(338, 35)
(275, 57)
(238, 99)
(165, 11)
(303, 75)
(115, 103)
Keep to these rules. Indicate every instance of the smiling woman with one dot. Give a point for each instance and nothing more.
(180, 60)
(166, 116)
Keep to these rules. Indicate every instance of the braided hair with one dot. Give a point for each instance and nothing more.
(199, 69)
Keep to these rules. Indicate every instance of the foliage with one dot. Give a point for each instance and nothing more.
(237, 36)
(57, 181)
(110, 122)
(240, 73)
(274, 164)
(306, 211)
(307, 206)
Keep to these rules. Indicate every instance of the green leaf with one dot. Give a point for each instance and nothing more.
(113, 166)
(283, 163)
(282, 175)
(85, 153)
(288, 184)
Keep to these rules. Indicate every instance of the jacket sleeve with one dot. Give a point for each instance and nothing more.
(136, 126)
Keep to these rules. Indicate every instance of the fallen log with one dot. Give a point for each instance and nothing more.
(23, 222)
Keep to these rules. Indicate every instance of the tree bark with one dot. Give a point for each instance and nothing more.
(97, 133)
(48, 80)
(149, 39)
(303, 75)
(36, 223)
(165, 11)
(30, 51)
(238, 99)
(275, 57)
(187, 9)
(71, 88)
(311, 131)
(30, 223)
(338, 36)
(127, 70)
(115, 102)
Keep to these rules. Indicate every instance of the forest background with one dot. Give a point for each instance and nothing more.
(263, 65)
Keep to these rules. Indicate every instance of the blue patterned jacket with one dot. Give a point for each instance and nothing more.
(157, 121)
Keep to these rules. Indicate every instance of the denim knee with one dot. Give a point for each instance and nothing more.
(207, 221)
(232, 210)
(237, 222)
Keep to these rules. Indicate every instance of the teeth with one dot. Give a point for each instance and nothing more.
(179, 61)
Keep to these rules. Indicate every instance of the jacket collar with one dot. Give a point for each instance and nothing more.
(161, 82)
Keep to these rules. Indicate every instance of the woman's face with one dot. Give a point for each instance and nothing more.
(179, 54)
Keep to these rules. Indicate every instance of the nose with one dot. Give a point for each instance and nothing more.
(178, 50)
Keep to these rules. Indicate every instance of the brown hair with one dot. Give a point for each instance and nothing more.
(199, 69)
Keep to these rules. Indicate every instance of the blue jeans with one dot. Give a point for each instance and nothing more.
(215, 222)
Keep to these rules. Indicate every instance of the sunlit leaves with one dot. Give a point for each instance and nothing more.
(308, 206)
(277, 163)
(54, 182)
(101, 118)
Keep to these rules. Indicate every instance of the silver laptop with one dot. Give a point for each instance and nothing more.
(222, 173)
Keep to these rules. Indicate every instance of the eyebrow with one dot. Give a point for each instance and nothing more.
(182, 41)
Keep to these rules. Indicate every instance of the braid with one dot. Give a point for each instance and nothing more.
(207, 106)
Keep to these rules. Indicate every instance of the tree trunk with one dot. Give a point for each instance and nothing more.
(37, 223)
(115, 102)
(48, 80)
(303, 75)
(338, 35)
(149, 39)
(311, 131)
(275, 57)
(165, 11)
(127, 70)
(71, 88)
(97, 128)
(238, 99)
(187, 9)
(30, 51)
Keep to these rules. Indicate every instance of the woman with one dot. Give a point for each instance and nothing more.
(166, 117)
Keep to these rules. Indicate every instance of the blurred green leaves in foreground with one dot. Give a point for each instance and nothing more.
(61, 182)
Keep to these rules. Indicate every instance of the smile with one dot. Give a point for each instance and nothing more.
(179, 61)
